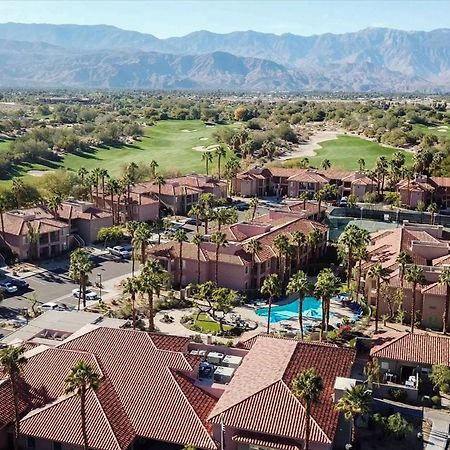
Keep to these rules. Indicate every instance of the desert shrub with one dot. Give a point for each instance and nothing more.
(397, 394)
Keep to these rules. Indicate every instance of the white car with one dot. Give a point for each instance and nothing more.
(121, 252)
(90, 295)
(9, 287)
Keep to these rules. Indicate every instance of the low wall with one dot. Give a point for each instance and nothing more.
(382, 391)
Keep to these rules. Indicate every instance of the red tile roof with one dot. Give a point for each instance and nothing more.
(142, 376)
(266, 441)
(261, 389)
(416, 348)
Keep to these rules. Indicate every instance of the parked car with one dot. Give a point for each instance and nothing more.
(193, 221)
(242, 206)
(119, 251)
(90, 295)
(343, 201)
(8, 287)
(21, 284)
(49, 306)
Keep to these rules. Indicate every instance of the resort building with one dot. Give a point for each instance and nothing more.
(161, 391)
(37, 233)
(234, 263)
(429, 247)
(294, 182)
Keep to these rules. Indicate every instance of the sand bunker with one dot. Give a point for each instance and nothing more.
(203, 139)
(309, 149)
(202, 148)
(185, 131)
(38, 173)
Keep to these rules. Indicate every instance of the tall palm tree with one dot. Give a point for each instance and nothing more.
(207, 202)
(197, 212)
(298, 239)
(307, 386)
(414, 275)
(197, 240)
(282, 249)
(232, 167)
(254, 201)
(220, 239)
(142, 238)
(444, 278)
(403, 258)
(81, 378)
(3, 206)
(207, 156)
(304, 197)
(253, 247)
(313, 238)
(326, 287)
(103, 175)
(381, 168)
(379, 273)
(159, 181)
(298, 284)
(96, 179)
(79, 270)
(272, 288)
(362, 164)
(113, 188)
(361, 255)
(18, 189)
(11, 365)
(220, 153)
(153, 166)
(354, 403)
(153, 277)
(326, 164)
(131, 227)
(432, 209)
(131, 286)
(225, 216)
(82, 172)
(33, 237)
(320, 196)
(180, 236)
(54, 203)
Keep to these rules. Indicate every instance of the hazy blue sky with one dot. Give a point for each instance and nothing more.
(176, 18)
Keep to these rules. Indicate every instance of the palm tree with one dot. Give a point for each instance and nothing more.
(304, 197)
(362, 164)
(254, 201)
(82, 172)
(352, 238)
(403, 258)
(225, 216)
(33, 237)
(414, 275)
(379, 273)
(81, 378)
(307, 386)
(232, 167)
(272, 288)
(196, 211)
(96, 178)
(207, 157)
(131, 227)
(159, 181)
(320, 196)
(180, 236)
(197, 240)
(361, 254)
(432, 209)
(220, 239)
(253, 247)
(131, 286)
(142, 238)
(354, 403)
(80, 268)
(283, 249)
(326, 164)
(153, 166)
(3, 206)
(326, 287)
(220, 152)
(18, 189)
(298, 239)
(11, 365)
(54, 203)
(103, 174)
(444, 278)
(153, 277)
(207, 202)
(313, 238)
(298, 284)
(381, 167)
(113, 188)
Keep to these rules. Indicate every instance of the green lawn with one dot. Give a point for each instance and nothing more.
(438, 130)
(208, 325)
(4, 145)
(345, 151)
(169, 142)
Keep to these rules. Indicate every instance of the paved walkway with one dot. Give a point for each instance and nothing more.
(439, 430)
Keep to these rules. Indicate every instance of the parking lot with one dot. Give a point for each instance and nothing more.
(56, 286)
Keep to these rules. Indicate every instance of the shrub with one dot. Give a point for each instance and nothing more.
(397, 394)
(397, 426)
(436, 401)
(445, 388)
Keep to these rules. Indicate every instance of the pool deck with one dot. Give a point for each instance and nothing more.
(339, 312)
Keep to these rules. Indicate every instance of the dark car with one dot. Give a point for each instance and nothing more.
(193, 221)
(242, 206)
(21, 284)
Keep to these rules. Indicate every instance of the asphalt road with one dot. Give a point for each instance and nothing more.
(56, 286)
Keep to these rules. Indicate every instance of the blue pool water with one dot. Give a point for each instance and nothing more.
(312, 309)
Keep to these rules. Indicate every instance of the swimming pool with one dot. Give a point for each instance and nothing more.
(312, 309)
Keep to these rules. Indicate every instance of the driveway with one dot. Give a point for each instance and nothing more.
(440, 429)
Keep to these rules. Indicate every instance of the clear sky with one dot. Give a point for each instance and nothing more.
(176, 18)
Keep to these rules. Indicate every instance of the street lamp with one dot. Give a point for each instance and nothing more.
(100, 285)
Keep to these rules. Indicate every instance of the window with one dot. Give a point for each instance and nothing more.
(31, 442)
(57, 446)
(385, 365)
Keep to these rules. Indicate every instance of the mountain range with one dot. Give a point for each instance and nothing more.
(102, 56)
